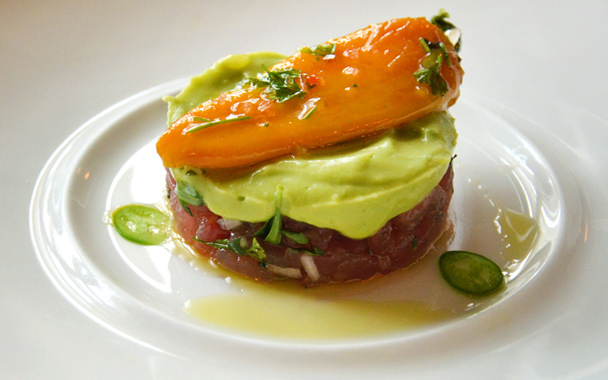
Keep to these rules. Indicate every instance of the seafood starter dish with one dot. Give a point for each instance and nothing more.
(331, 165)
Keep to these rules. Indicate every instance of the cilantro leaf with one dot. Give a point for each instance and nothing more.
(187, 195)
(315, 252)
(271, 230)
(431, 64)
(298, 238)
(255, 250)
(280, 85)
(320, 50)
(274, 235)
(441, 22)
(445, 26)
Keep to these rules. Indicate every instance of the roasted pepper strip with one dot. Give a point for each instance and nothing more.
(365, 85)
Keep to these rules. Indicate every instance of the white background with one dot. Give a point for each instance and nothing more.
(62, 62)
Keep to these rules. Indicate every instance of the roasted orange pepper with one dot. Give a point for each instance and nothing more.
(366, 85)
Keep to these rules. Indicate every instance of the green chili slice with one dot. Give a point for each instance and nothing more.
(141, 224)
(470, 273)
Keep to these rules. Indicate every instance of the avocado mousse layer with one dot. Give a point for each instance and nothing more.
(353, 188)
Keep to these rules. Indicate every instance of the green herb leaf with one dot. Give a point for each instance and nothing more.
(309, 113)
(208, 123)
(320, 50)
(299, 238)
(280, 85)
(235, 246)
(219, 244)
(441, 22)
(274, 235)
(271, 230)
(187, 195)
(256, 250)
(431, 64)
(444, 25)
(315, 252)
(263, 232)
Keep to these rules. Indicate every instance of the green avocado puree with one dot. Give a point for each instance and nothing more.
(221, 77)
(354, 188)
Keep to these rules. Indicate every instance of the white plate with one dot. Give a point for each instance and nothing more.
(139, 292)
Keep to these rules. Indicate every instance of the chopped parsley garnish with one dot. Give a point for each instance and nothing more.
(431, 64)
(255, 250)
(320, 50)
(280, 85)
(206, 123)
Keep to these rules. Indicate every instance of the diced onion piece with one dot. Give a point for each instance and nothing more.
(285, 272)
(309, 266)
(229, 224)
(454, 35)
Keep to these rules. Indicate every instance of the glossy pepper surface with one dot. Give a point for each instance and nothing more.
(365, 85)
